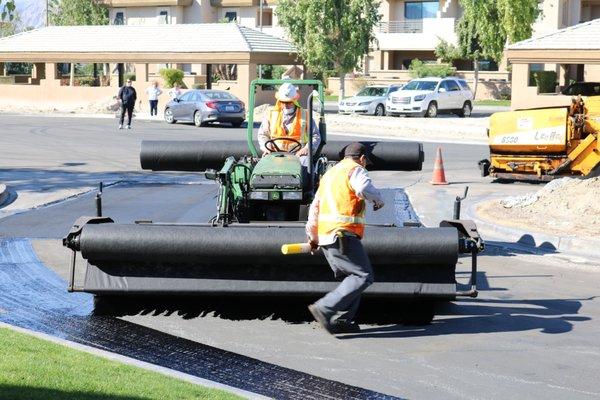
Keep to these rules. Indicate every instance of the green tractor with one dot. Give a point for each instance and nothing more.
(275, 187)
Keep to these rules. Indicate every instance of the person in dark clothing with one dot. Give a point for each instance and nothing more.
(127, 96)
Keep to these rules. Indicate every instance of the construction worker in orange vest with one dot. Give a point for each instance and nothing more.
(286, 119)
(336, 224)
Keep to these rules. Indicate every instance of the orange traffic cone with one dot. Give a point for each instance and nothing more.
(439, 177)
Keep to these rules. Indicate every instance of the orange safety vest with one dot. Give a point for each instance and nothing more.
(340, 209)
(276, 126)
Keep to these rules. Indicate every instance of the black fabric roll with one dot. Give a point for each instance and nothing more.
(190, 155)
(196, 155)
(385, 156)
(254, 245)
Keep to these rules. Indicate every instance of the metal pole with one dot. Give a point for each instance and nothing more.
(47, 1)
(260, 23)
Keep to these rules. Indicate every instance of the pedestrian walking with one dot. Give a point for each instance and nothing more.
(336, 224)
(175, 92)
(127, 96)
(153, 92)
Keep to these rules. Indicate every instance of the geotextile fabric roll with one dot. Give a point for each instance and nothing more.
(256, 245)
(385, 156)
(192, 155)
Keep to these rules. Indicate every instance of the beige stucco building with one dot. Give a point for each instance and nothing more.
(141, 47)
(573, 53)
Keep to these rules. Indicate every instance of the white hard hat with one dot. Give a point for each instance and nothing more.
(287, 92)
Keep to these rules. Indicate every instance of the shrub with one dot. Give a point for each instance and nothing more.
(545, 81)
(129, 75)
(420, 69)
(86, 81)
(172, 76)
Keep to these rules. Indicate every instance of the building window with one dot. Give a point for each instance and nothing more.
(267, 17)
(421, 9)
(532, 69)
(163, 17)
(231, 16)
(119, 18)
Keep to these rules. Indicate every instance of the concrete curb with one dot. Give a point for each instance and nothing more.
(136, 363)
(4, 194)
(538, 242)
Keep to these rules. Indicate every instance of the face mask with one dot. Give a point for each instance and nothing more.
(289, 111)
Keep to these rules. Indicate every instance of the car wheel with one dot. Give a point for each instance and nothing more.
(379, 110)
(432, 110)
(465, 112)
(198, 119)
(169, 116)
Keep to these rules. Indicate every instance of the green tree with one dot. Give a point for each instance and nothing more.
(486, 27)
(8, 8)
(330, 35)
(78, 12)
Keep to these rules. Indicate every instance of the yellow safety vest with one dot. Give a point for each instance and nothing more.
(298, 131)
(340, 209)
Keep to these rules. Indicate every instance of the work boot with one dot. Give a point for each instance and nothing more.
(320, 318)
(345, 327)
(120, 126)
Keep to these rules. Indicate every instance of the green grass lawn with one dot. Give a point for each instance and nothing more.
(492, 103)
(32, 369)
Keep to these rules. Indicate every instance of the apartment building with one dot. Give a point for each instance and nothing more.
(408, 29)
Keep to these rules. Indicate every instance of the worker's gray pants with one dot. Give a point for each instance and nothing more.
(352, 263)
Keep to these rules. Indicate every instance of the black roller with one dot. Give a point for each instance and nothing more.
(190, 155)
(386, 156)
(256, 244)
(202, 155)
(188, 260)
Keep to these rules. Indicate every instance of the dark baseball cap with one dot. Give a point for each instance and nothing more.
(356, 150)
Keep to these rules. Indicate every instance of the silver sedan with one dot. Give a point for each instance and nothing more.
(204, 106)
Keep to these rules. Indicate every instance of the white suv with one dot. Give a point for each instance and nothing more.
(430, 96)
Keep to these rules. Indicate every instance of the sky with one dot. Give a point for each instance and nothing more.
(32, 12)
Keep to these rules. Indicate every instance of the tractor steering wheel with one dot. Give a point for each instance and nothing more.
(296, 145)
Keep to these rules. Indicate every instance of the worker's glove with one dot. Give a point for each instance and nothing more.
(377, 205)
(302, 152)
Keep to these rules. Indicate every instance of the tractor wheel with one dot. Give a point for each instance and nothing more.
(432, 110)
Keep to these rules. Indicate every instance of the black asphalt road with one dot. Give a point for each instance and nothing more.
(531, 334)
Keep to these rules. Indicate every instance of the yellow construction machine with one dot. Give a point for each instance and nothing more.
(545, 143)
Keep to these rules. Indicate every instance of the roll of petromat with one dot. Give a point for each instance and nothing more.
(385, 156)
(190, 155)
(295, 248)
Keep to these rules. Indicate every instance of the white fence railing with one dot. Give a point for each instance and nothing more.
(406, 26)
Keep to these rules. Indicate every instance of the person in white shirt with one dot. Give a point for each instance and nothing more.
(175, 92)
(336, 222)
(153, 92)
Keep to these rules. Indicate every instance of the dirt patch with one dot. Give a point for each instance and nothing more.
(566, 206)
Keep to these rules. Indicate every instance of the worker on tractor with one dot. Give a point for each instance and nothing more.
(284, 126)
(336, 223)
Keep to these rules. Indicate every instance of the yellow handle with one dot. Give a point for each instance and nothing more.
(295, 248)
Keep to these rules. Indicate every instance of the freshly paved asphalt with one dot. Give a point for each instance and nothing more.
(532, 333)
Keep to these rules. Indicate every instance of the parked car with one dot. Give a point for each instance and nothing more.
(370, 100)
(427, 97)
(582, 88)
(204, 106)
